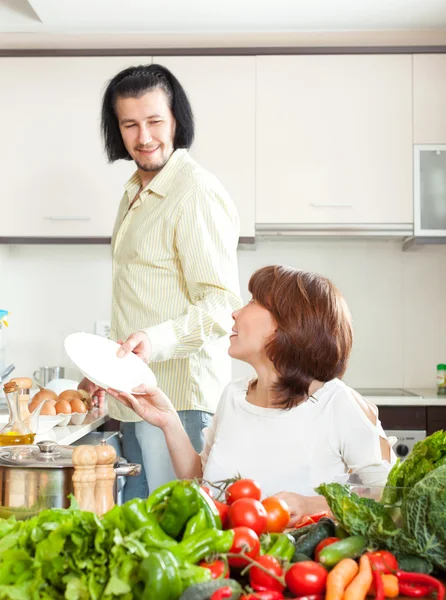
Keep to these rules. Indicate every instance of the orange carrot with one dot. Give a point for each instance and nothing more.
(340, 577)
(391, 587)
(358, 588)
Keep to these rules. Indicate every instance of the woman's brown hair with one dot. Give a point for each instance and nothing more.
(314, 334)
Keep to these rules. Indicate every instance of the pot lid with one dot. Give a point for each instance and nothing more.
(44, 455)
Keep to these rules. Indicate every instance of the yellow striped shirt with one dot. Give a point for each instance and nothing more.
(175, 276)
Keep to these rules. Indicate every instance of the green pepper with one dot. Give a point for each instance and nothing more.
(212, 514)
(195, 524)
(201, 544)
(192, 574)
(135, 514)
(114, 519)
(160, 494)
(161, 575)
(153, 536)
(183, 503)
(282, 547)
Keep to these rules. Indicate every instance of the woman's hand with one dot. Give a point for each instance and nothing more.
(151, 404)
(297, 504)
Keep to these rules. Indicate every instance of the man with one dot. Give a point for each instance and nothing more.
(175, 278)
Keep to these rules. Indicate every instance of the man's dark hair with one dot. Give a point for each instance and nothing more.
(133, 83)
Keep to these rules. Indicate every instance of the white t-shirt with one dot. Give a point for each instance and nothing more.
(294, 450)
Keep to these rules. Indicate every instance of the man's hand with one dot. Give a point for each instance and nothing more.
(97, 394)
(139, 344)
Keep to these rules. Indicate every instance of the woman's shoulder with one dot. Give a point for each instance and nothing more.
(235, 387)
(344, 399)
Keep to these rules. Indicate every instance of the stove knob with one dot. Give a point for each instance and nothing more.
(402, 450)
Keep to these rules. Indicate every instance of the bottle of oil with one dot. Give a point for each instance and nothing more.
(15, 432)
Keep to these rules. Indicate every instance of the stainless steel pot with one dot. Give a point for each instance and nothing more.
(33, 478)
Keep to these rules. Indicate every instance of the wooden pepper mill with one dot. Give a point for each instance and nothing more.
(25, 384)
(105, 478)
(84, 477)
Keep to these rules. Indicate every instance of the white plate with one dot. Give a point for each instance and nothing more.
(96, 357)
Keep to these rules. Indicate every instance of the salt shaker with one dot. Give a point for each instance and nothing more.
(84, 477)
(105, 478)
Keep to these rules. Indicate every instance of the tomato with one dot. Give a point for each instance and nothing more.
(243, 488)
(218, 568)
(208, 491)
(259, 580)
(248, 512)
(383, 561)
(316, 517)
(223, 511)
(245, 540)
(321, 546)
(303, 522)
(277, 514)
(263, 595)
(307, 577)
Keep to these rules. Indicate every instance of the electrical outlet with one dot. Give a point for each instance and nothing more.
(102, 328)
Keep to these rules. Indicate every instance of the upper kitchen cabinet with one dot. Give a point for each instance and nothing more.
(55, 179)
(221, 90)
(429, 98)
(334, 141)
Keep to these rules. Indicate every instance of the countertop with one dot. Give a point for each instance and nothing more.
(65, 436)
(423, 397)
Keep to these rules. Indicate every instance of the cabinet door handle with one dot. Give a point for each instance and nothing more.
(67, 218)
(317, 205)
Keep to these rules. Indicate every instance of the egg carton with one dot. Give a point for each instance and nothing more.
(71, 419)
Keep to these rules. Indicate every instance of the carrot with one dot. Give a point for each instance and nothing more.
(391, 587)
(340, 577)
(359, 587)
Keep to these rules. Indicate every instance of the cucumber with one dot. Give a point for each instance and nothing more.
(350, 547)
(308, 542)
(414, 564)
(299, 557)
(297, 533)
(203, 591)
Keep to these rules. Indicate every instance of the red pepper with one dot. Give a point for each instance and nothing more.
(412, 590)
(224, 592)
(264, 595)
(421, 579)
(312, 597)
(379, 585)
(303, 522)
(318, 516)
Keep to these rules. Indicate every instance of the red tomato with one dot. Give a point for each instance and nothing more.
(327, 542)
(263, 595)
(248, 512)
(277, 514)
(383, 561)
(218, 568)
(223, 510)
(259, 580)
(303, 522)
(245, 540)
(307, 577)
(208, 491)
(318, 516)
(243, 488)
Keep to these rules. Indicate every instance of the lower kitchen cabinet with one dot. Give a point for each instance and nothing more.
(413, 418)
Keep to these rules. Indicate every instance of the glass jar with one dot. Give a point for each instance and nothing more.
(16, 432)
(441, 380)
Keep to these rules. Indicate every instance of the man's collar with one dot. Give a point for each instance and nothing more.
(162, 181)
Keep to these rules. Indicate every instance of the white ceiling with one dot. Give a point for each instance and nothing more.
(207, 16)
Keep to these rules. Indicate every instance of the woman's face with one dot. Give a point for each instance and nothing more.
(253, 326)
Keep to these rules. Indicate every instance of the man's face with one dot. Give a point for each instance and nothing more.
(147, 127)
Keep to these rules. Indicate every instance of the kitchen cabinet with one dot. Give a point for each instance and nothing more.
(429, 98)
(413, 418)
(430, 190)
(55, 179)
(221, 90)
(334, 140)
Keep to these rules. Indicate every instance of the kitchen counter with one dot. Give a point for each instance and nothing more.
(422, 397)
(65, 436)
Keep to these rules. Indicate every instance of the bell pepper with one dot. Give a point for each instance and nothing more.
(201, 544)
(161, 575)
(153, 536)
(134, 513)
(195, 524)
(182, 504)
(160, 494)
(282, 547)
(114, 519)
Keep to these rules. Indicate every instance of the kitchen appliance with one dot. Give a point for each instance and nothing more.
(45, 374)
(36, 477)
(385, 392)
(406, 440)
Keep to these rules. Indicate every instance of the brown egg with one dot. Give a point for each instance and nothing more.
(48, 409)
(64, 407)
(77, 406)
(45, 395)
(70, 395)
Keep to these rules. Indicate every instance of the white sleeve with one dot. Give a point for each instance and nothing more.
(356, 439)
(210, 432)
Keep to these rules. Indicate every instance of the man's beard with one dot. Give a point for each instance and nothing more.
(153, 167)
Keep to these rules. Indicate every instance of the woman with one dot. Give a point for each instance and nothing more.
(295, 425)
